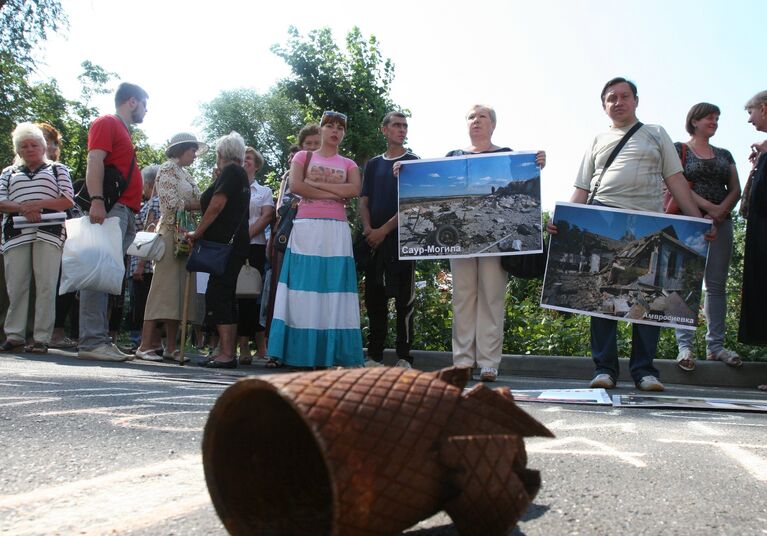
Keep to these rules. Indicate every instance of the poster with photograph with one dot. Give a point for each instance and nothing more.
(563, 396)
(470, 206)
(640, 267)
(659, 401)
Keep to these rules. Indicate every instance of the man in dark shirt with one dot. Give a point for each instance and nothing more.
(386, 276)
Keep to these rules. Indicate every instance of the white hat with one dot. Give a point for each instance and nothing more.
(186, 137)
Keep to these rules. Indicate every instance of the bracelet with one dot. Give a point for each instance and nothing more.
(94, 197)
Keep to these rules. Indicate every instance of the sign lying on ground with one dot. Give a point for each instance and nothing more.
(470, 206)
(640, 267)
(564, 396)
(655, 401)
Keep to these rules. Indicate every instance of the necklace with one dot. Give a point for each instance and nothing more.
(697, 151)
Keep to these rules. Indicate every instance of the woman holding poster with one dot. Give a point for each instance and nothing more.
(479, 283)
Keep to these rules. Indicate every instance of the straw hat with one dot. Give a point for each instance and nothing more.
(186, 137)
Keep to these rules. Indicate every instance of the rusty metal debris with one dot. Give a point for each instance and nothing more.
(367, 452)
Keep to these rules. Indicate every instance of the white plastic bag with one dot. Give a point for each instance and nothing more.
(92, 257)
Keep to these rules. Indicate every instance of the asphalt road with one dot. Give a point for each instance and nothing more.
(94, 448)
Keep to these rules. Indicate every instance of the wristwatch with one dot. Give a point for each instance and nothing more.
(94, 197)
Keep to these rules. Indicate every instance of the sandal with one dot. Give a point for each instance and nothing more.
(245, 360)
(762, 387)
(11, 346)
(728, 357)
(273, 363)
(685, 360)
(36, 348)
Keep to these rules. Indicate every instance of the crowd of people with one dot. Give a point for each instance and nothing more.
(298, 239)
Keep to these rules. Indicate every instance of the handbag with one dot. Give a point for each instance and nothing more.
(670, 205)
(248, 282)
(209, 257)
(147, 245)
(287, 213)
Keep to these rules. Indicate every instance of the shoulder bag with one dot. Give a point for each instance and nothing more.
(212, 257)
(248, 282)
(147, 245)
(670, 205)
(287, 213)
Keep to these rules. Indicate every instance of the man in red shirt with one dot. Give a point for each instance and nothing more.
(109, 143)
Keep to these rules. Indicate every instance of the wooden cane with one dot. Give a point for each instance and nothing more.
(184, 317)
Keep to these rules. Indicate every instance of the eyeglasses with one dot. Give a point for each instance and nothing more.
(331, 114)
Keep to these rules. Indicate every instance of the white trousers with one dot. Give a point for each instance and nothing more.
(479, 290)
(40, 260)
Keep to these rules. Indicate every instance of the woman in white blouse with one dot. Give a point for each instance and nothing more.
(177, 191)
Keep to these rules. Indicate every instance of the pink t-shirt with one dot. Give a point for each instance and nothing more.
(323, 169)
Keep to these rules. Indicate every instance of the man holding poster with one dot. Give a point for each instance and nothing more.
(385, 275)
(624, 168)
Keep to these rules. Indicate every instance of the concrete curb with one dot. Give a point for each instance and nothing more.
(706, 373)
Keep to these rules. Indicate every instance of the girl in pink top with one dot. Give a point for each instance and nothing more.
(316, 319)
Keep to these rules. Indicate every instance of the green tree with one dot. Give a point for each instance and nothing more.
(26, 23)
(354, 81)
(268, 122)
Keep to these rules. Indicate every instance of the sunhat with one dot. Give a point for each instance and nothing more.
(186, 137)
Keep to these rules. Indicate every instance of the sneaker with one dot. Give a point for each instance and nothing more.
(650, 383)
(148, 355)
(728, 357)
(372, 363)
(602, 381)
(403, 363)
(685, 360)
(488, 374)
(105, 352)
(63, 344)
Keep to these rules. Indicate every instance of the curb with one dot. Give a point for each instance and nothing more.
(706, 373)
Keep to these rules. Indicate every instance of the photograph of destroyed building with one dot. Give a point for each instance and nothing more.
(620, 264)
(468, 206)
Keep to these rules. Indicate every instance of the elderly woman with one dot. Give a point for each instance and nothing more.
(177, 191)
(316, 320)
(753, 321)
(29, 188)
(261, 214)
(716, 190)
(479, 284)
(224, 218)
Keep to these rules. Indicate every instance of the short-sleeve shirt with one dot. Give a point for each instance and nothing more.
(334, 169)
(635, 178)
(19, 184)
(380, 187)
(711, 176)
(231, 221)
(108, 133)
(260, 196)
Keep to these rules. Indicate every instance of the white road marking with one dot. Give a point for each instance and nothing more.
(705, 429)
(125, 500)
(754, 464)
(561, 424)
(25, 400)
(133, 421)
(593, 448)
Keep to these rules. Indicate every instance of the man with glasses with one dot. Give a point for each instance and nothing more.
(386, 276)
(110, 143)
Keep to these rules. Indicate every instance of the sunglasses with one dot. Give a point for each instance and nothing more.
(329, 114)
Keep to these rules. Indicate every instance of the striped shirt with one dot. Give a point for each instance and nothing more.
(18, 184)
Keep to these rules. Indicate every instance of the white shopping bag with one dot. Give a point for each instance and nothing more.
(92, 257)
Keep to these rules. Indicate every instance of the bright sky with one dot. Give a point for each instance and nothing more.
(541, 63)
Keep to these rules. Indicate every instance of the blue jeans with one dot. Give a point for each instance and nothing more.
(94, 325)
(604, 348)
(715, 281)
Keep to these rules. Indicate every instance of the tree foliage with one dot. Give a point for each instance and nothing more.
(25, 23)
(269, 122)
(354, 81)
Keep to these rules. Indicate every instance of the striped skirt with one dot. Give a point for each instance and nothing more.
(316, 320)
